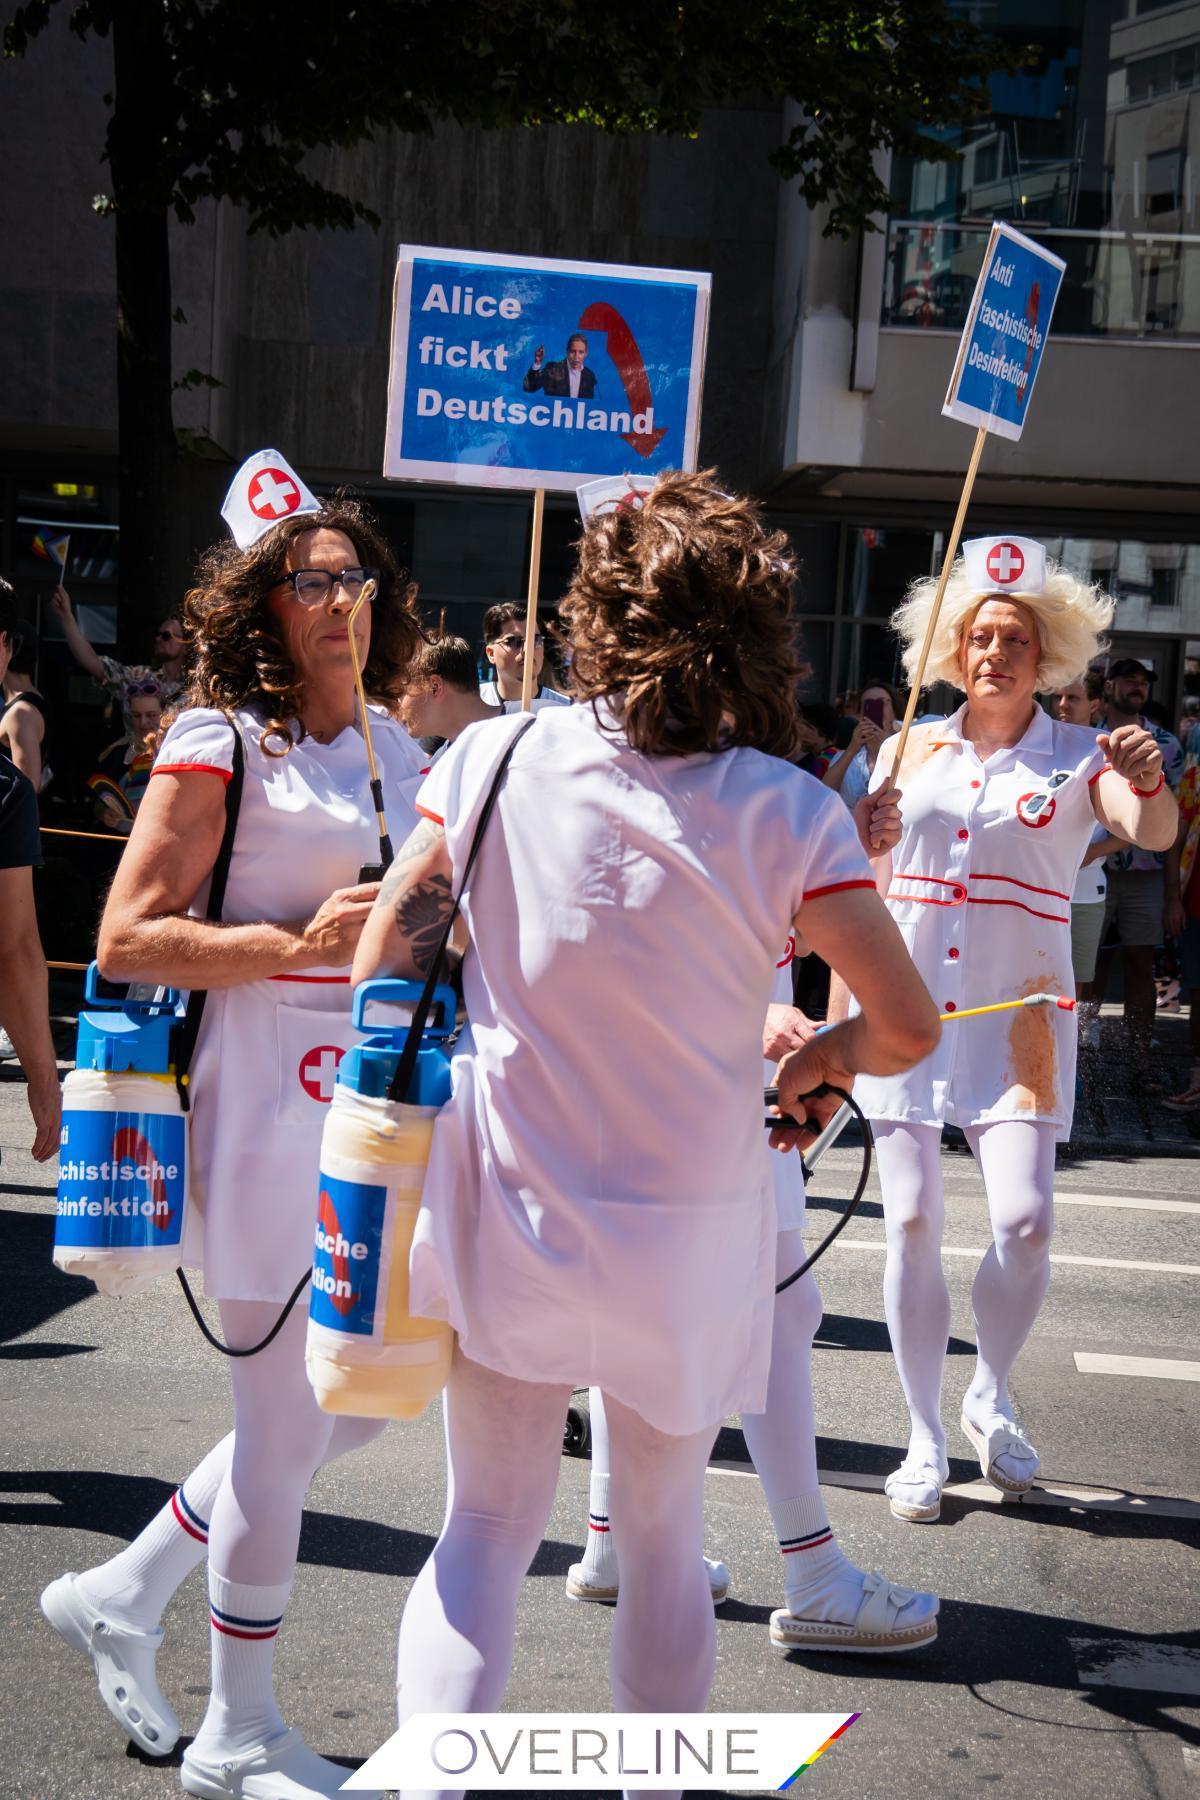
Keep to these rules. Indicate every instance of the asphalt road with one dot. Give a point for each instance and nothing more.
(1069, 1657)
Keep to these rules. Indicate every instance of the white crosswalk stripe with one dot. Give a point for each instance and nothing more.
(1087, 1262)
(1154, 1368)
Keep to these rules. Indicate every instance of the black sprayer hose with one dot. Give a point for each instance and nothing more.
(253, 1349)
(781, 1123)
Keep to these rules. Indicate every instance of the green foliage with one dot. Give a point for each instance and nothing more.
(237, 95)
(195, 378)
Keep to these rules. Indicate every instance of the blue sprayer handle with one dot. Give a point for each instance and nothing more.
(404, 993)
(166, 1003)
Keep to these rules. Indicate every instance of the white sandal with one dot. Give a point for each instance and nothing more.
(1003, 1438)
(285, 1769)
(890, 1620)
(914, 1490)
(123, 1658)
(582, 1586)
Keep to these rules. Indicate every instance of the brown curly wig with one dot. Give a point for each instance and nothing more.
(238, 655)
(683, 606)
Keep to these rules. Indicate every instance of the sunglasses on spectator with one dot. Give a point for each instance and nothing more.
(174, 636)
(135, 688)
(515, 642)
(312, 587)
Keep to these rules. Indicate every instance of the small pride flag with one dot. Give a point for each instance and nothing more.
(52, 546)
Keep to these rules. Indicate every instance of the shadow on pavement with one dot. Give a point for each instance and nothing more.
(839, 1331)
(979, 1644)
(36, 1290)
(119, 1506)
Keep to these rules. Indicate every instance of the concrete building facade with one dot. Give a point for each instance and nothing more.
(827, 360)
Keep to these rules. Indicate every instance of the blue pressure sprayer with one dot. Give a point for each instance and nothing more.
(366, 1355)
(122, 1174)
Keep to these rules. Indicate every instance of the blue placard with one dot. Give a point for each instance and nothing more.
(347, 1247)
(121, 1180)
(1005, 334)
(522, 372)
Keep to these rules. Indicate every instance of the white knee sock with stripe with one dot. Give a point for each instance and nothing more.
(600, 1551)
(134, 1586)
(819, 1582)
(242, 1711)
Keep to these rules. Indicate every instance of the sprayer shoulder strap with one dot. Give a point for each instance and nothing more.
(189, 1029)
(416, 1029)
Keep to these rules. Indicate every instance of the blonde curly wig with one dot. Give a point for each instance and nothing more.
(1070, 616)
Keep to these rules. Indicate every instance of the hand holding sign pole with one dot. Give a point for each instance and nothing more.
(994, 372)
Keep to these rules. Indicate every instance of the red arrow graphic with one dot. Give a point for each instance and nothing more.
(129, 1142)
(1031, 313)
(327, 1213)
(624, 352)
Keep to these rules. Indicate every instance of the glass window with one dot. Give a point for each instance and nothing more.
(1089, 150)
(815, 548)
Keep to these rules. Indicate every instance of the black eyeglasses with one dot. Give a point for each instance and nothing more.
(515, 642)
(312, 587)
(173, 637)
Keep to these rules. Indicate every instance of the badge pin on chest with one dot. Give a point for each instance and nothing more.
(1036, 809)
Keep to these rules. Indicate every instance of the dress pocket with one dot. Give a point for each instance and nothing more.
(310, 1043)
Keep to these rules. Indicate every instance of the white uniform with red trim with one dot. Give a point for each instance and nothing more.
(600, 1206)
(981, 891)
(268, 1051)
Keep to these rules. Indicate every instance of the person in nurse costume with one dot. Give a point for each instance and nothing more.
(599, 1192)
(999, 806)
(268, 618)
(830, 1605)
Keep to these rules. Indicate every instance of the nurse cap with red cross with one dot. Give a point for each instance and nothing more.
(265, 491)
(1005, 565)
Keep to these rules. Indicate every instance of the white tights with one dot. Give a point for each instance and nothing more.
(504, 1445)
(281, 1438)
(1016, 1159)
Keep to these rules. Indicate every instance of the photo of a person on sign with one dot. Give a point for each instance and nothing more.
(562, 379)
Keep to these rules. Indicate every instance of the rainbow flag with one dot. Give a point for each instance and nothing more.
(52, 546)
(808, 1763)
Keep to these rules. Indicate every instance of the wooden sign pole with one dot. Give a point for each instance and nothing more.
(947, 563)
(535, 569)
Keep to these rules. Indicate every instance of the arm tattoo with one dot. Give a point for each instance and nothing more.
(421, 915)
(422, 838)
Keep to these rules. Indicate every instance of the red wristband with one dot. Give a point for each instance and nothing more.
(1149, 793)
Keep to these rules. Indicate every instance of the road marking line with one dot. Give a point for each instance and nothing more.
(1139, 1202)
(1157, 1368)
(1059, 1497)
(1132, 1202)
(1152, 1668)
(1087, 1262)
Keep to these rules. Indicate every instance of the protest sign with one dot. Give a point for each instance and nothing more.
(528, 372)
(1005, 334)
(998, 359)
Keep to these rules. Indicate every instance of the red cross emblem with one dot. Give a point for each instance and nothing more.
(318, 1071)
(272, 495)
(1005, 564)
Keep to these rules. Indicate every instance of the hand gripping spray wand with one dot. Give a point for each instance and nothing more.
(828, 1135)
(369, 871)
